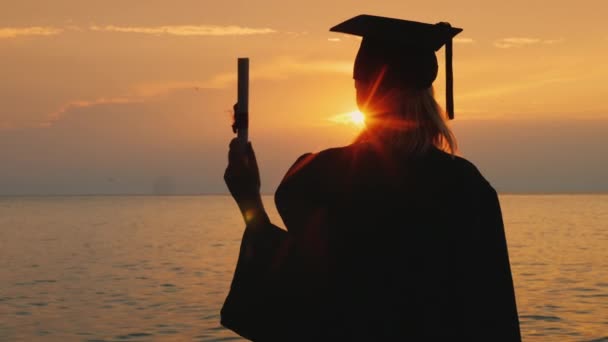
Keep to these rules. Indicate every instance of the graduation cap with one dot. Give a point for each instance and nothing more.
(404, 49)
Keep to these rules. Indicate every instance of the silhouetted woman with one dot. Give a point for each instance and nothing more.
(390, 238)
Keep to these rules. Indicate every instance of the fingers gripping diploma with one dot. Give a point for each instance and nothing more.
(242, 177)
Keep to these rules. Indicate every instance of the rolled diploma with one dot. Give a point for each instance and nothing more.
(243, 100)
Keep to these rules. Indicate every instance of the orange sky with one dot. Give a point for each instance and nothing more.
(110, 96)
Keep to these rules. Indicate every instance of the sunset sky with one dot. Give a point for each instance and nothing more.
(131, 96)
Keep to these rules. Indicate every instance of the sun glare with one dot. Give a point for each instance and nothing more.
(357, 118)
(354, 118)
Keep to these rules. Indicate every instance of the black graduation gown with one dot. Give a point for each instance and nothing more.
(377, 248)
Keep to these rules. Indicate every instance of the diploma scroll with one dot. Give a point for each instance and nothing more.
(241, 110)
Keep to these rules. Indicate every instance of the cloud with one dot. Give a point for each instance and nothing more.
(114, 146)
(73, 105)
(186, 30)
(517, 42)
(464, 40)
(14, 32)
(139, 93)
(334, 40)
(279, 69)
(514, 87)
(287, 65)
(552, 41)
(176, 30)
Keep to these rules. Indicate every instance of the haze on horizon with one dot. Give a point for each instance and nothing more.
(114, 97)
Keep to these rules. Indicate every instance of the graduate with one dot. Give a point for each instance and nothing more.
(391, 238)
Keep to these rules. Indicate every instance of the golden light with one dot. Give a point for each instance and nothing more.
(354, 118)
(357, 118)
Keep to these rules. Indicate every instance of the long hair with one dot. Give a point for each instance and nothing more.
(412, 125)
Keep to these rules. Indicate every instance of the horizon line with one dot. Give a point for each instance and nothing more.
(515, 193)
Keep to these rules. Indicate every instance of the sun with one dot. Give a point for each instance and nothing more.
(357, 118)
(354, 118)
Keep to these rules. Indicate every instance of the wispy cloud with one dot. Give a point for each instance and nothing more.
(334, 40)
(514, 87)
(55, 116)
(278, 69)
(552, 41)
(464, 40)
(516, 42)
(186, 30)
(176, 30)
(281, 69)
(14, 32)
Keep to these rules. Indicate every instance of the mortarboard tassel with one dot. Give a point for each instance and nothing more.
(449, 80)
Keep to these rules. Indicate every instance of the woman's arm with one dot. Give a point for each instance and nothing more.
(267, 297)
(253, 305)
(242, 176)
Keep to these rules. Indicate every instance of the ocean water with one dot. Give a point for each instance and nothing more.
(158, 268)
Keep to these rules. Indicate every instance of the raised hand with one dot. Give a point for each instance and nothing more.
(242, 177)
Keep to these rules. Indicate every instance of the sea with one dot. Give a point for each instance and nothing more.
(145, 268)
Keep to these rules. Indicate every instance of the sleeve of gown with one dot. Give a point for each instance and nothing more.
(252, 308)
(499, 319)
(261, 296)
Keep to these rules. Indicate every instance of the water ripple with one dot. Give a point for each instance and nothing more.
(160, 268)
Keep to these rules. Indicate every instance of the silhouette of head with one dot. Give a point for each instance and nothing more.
(394, 71)
(399, 54)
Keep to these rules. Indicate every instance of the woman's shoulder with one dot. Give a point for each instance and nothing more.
(312, 173)
(461, 170)
(436, 164)
(454, 165)
(456, 162)
(327, 158)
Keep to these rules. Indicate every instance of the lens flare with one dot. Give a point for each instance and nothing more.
(354, 118)
(357, 118)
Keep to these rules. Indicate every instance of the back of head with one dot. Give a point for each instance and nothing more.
(405, 120)
(394, 71)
